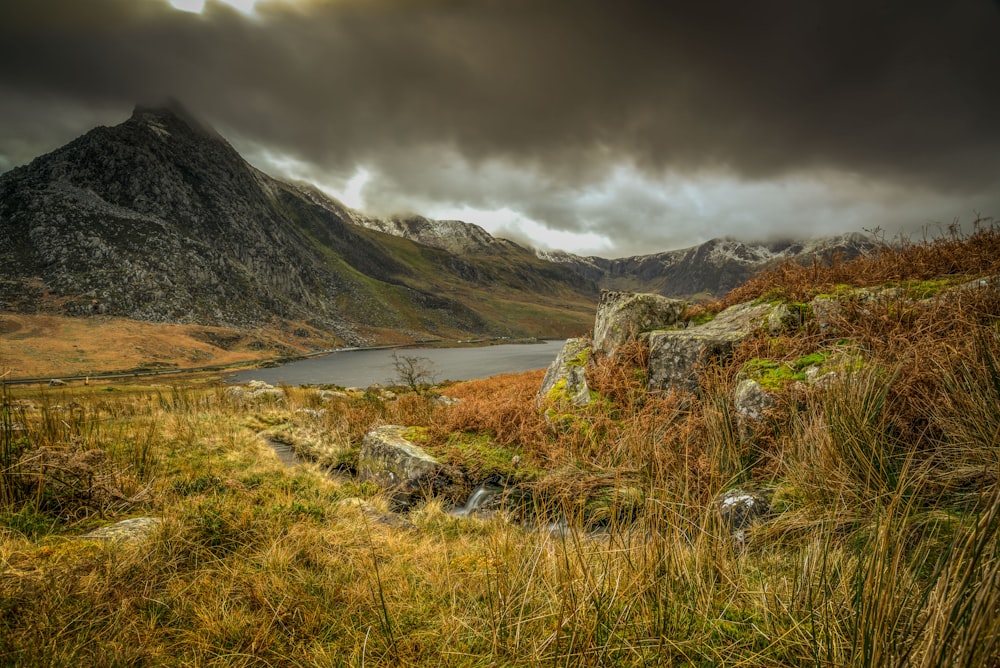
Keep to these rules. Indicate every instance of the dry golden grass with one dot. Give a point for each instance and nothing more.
(884, 548)
(34, 346)
(952, 255)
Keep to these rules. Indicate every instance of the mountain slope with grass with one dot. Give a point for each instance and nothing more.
(159, 219)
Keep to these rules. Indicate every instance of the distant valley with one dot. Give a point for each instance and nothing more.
(160, 220)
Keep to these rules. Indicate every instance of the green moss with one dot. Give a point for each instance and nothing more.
(702, 318)
(812, 359)
(922, 289)
(776, 295)
(839, 290)
(558, 392)
(480, 457)
(580, 359)
(771, 374)
(416, 434)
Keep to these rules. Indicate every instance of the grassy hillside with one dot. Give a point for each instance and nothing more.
(34, 345)
(882, 548)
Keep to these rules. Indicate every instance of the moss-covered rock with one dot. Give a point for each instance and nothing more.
(675, 355)
(565, 381)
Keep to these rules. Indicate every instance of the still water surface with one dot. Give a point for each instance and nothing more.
(361, 368)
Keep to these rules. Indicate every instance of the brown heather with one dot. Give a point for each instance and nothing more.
(883, 548)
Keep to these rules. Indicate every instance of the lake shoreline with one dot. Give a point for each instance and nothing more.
(364, 367)
(269, 362)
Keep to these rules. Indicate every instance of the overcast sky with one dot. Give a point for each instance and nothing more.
(609, 127)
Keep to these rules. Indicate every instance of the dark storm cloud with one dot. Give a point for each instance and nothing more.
(534, 104)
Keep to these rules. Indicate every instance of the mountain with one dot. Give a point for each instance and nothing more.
(710, 269)
(455, 236)
(160, 219)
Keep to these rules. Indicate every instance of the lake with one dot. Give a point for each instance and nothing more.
(361, 368)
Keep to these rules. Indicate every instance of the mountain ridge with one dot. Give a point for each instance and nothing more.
(712, 268)
(160, 219)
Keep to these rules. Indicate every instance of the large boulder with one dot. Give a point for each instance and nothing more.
(675, 355)
(623, 316)
(395, 463)
(566, 380)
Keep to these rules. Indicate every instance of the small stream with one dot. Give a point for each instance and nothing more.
(285, 452)
(479, 501)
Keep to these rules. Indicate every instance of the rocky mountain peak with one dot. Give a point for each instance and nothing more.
(170, 115)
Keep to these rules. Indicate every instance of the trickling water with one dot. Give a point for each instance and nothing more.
(477, 499)
(284, 451)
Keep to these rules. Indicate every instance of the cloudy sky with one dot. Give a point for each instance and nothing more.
(611, 127)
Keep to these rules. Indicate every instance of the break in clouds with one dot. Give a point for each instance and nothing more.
(616, 128)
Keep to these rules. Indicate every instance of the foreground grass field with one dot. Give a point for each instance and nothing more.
(883, 547)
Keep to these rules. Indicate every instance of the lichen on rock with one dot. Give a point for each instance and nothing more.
(623, 316)
(565, 381)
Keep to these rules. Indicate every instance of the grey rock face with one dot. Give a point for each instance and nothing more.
(674, 355)
(622, 316)
(159, 219)
(566, 379)
(390, 460)
(751, 401)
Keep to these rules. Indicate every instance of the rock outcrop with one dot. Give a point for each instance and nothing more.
(566, 379)
(676, 355)
(623, 316)
(395, 463)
